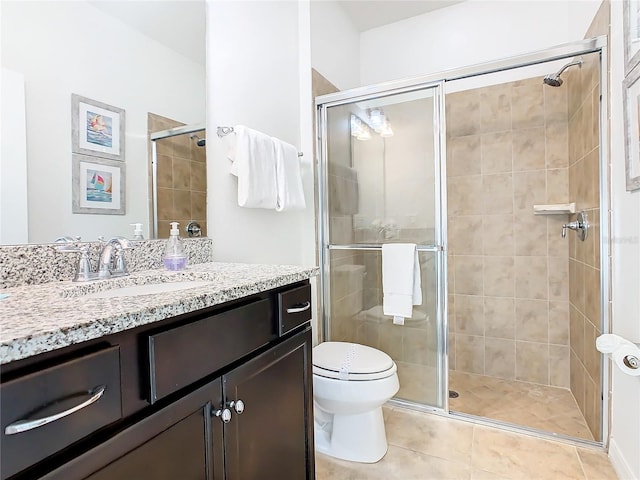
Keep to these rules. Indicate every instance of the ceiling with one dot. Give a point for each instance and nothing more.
(368, 14)
(177, 24)
(180, 24)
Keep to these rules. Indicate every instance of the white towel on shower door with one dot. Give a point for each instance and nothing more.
(254, 163)
(401, 282)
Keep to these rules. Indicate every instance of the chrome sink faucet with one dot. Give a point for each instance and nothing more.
(112, 262)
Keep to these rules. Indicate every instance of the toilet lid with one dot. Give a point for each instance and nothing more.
(351, 361)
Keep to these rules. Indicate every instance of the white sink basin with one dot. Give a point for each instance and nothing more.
(148, 289)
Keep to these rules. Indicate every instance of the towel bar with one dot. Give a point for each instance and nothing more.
(224, 131)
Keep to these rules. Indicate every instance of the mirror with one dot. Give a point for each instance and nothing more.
(139, 56)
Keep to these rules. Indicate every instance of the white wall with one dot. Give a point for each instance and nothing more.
(625, 409)
(71, 47)
(469, 33)
(335, 45)
(257, 55)
(14, 217)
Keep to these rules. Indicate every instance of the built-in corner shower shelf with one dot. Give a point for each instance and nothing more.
(555, 209)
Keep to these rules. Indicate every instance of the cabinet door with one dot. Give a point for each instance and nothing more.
(180, 441)
(273, 437)
(178, 452)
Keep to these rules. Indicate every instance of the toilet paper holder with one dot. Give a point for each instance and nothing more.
(607, 343)
(631, 361)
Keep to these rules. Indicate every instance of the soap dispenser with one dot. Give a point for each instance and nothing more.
(174, 257)
(137, 231)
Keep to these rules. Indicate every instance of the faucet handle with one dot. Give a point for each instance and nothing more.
(121, 244)
(84, 271)
(120, 264)
(68, 239)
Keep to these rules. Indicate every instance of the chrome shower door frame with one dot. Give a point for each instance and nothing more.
(440, 194)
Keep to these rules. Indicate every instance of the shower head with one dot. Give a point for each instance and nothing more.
(554, 80)
(201, 142)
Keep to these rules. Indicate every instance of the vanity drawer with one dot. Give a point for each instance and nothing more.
(183, 355)
(46, 411)
(294, 307)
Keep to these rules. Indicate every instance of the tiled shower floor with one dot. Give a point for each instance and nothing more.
(551, 409)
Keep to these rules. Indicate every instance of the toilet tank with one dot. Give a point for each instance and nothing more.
(347, 283)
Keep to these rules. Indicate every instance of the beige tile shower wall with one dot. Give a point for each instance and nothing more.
(507, 149)
(182, 178)
(584, 257)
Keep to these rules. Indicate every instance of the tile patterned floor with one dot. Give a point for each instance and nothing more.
(546, 408)
(425, 446)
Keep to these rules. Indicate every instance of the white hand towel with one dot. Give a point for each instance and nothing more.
(255, 166)
(401, 283)
(288, 178)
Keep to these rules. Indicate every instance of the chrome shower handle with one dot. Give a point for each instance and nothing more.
(570, 225)
(580, 225)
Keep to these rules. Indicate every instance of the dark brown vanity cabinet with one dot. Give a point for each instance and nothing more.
(178, 442)
(247, 416)
(273, 437)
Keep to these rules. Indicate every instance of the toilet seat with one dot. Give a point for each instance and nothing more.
(351, 361)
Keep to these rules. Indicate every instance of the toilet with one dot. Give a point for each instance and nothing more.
(350, 384)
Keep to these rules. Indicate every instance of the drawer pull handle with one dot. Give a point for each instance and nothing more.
(29, 424)
(299, 308)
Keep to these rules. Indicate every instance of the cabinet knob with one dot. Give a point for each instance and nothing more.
(223, 414)
(238, 406)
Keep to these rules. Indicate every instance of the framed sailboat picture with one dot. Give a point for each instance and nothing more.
(97, 128)
(98, 185)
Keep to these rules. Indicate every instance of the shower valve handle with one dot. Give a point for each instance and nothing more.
(580, 225)
(570, 225)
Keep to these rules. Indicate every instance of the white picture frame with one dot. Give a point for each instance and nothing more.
(631, 27)
(98, 185)
(632, 128)
(97, 129)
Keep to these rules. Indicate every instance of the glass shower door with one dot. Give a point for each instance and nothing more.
(381, 183)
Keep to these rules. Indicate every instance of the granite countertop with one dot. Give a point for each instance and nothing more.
(41, 318)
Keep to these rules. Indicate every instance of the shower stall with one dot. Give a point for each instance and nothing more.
(178, 179)
(483, 169)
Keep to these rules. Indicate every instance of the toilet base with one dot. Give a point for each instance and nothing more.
(357, 438)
